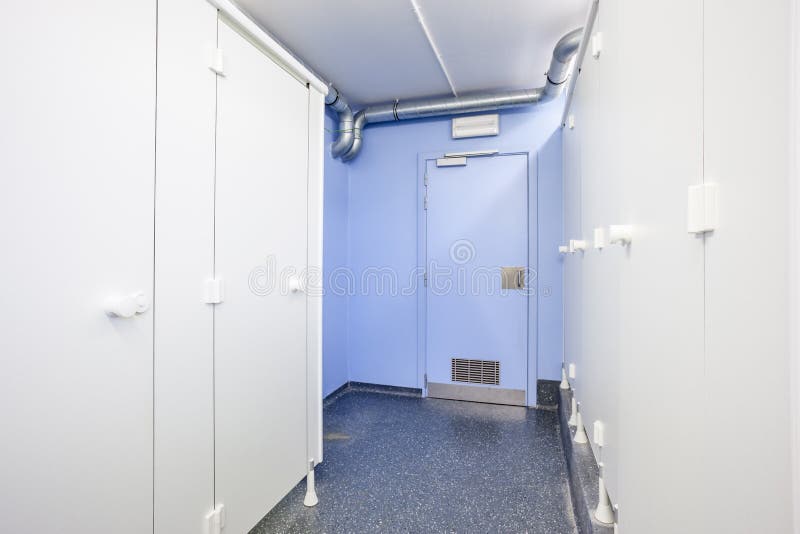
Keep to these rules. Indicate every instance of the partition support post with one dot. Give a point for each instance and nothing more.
(311, 492)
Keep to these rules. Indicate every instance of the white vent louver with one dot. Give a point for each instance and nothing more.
(475, 371)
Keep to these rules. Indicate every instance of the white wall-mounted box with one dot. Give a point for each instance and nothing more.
(476, 126)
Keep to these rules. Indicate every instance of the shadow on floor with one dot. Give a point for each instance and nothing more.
(405, 464)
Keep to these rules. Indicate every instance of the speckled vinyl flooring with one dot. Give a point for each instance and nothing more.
(405, 464)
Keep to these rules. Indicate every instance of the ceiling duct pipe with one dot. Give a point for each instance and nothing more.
(557, 75)
(344, 139)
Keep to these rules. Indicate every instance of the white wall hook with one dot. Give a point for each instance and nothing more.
(620, 234)
(127, 306)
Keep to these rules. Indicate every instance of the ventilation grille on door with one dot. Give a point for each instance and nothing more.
(475, 371)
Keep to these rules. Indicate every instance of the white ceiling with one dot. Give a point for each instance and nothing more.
(376, 50)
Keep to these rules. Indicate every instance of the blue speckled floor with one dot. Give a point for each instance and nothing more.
(405, 464)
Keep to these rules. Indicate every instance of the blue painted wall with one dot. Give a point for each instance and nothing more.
(550, 297)
(381, 333)
(334, 304)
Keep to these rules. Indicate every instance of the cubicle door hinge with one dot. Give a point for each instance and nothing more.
(215, 520)
(426, 179)
(425, 202)
(213, 291)
(425, 380)
(217, 64)
(703, 208)
(425, 279)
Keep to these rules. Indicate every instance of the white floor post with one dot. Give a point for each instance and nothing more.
(311, 492)
(604, 512)
(564, 381)
(580, 432)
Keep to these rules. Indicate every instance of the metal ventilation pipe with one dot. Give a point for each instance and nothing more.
(434, 107)
(344, 141)
(557, 75)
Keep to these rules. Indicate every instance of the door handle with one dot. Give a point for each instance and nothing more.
(127, 306)
(513, 277)
(295, 284)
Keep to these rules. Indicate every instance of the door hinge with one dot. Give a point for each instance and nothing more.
(703, 209)
(426, 180)
(425, 380)
(213, 291)
(217, 65)
(215, 520)
(425, 201)
(425, 279)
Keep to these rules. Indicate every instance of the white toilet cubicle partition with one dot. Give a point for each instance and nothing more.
(119, 196)
(696, 288)
(76, 227)
(238, 408)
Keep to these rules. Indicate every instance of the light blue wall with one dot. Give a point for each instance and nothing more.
(550, 297)
(334, 306)
(382, 233)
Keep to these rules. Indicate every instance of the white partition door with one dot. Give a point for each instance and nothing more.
(76, 227)
(260, 242)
